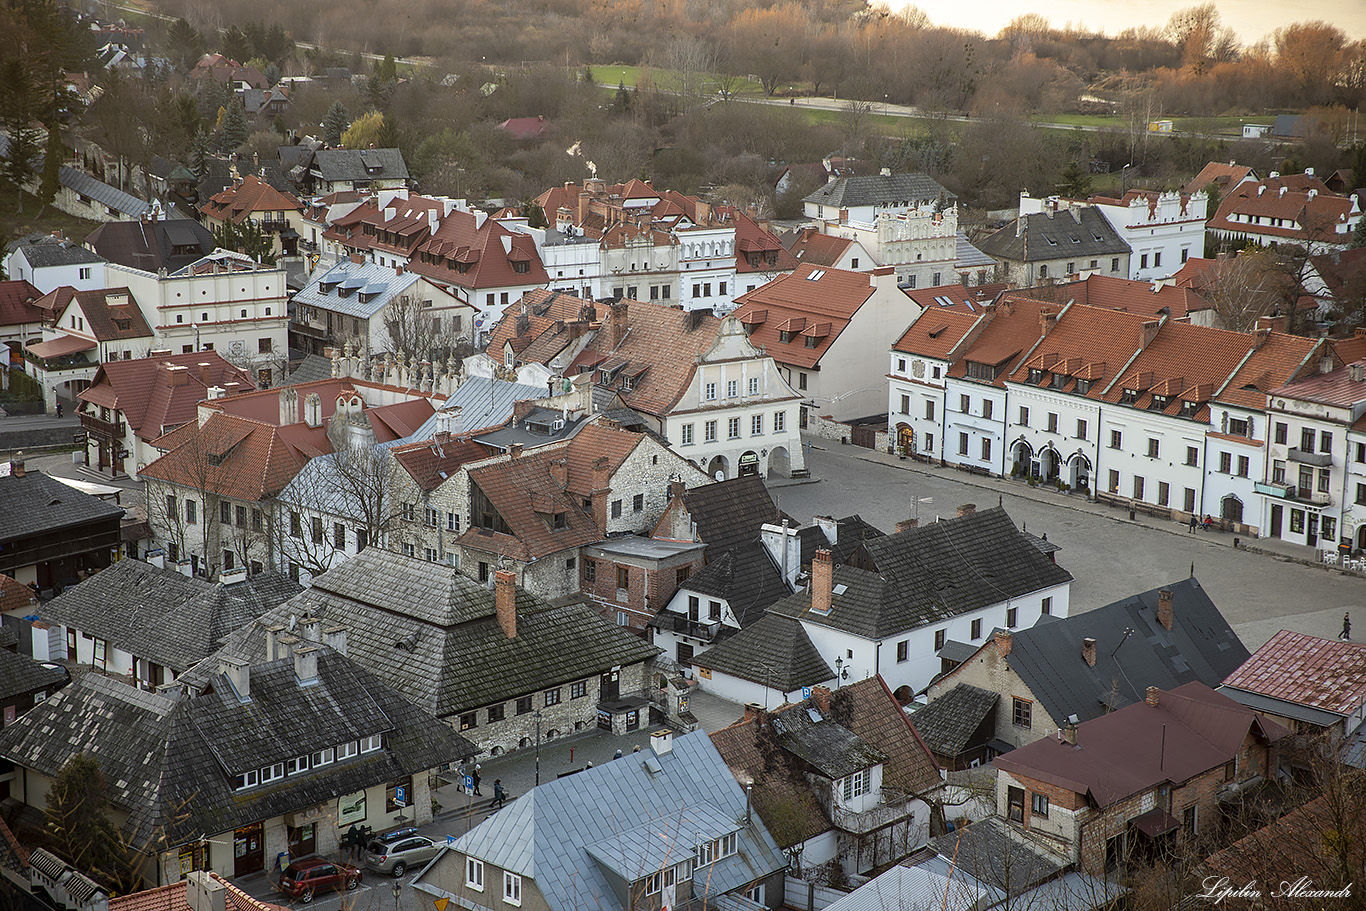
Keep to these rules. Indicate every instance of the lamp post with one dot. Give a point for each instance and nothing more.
(195, 327)
(538, 748)
(398, 887)
(1123, 177)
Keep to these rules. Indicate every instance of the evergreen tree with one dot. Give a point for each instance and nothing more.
(52, 166)
(622, 104)
(236, 45)
(1359, 165)
(1359, 235)
(185, 44)
(200, 153)
(335, 123)
(247, 238)
(1073, 182)
(234, 128)
(20, 107)
(387, 137)
(77, 819)
(386, 70)
(272, 74)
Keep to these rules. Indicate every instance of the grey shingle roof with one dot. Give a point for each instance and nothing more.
(170, 762)
(1061, 236)
(161, 615)
(879, 190)
(359, 164)
(312, 368)
(830, 748)
(87, 186)
(48, 250)
(1201, 646)
(746, 578)
(355, 289)
(548, 833)
(432, 634)
(948, 723)
(918, 576)
(730, 513)
(992, 853)
(849, 533)
(774, 652)
(20, 674)
(35, 504)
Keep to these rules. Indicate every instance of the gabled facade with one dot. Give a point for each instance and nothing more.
(1062, 241)
(50, 533)
(1162, 230)
(21, 320)
(50, 261)
(250, 200)
(918, 374)
(334, 170)
(1295, 208)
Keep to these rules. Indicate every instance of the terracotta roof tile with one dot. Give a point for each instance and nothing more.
(252, 195)
(142, 390)
(528, 499)
(14, 595)
(1280, 359)
(1094, 334)
(1013, 326)
(486, 252)
(431, 463)
(17, 304)
(1326, 674)
(1222, 175)
(1186, 363)
(234, 457)
(936, 334)
(810, 293)
(812, 246)
(1134, 296)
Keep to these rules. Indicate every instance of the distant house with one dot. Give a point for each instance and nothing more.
(86, 197)
(252, 200)
(524, 129)
(1088, 664)
(1060, 242)
(51, 261)
(50, 534)
(1108, 799)
(1224, 177)
(89, 328)
(666, 827)
(1294, 208)
(332, 170)
(855, 198)
(152, 244)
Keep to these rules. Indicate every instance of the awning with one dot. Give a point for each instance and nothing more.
(1155, 822)
(66, 344)
(953, 650)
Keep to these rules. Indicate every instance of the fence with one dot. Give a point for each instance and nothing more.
(805, 896)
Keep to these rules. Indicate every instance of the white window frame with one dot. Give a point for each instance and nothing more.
(249, 779)
(474, 873)
(322, 757)
(296, 765)
(347, 750)
(687, 432)
(371, 743)
(857, 784)
(512, 888)
(273, 772)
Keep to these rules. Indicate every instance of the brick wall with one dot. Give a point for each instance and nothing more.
(991, 671)
(651, 583)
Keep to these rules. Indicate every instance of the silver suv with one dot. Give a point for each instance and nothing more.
(396, 852)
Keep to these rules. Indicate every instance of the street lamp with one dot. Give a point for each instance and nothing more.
(1123, 177)
(195, 327)
(398, 887)
(538, 748)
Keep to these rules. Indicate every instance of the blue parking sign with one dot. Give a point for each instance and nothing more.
(401, 796)
(469, 784)
(806, 692)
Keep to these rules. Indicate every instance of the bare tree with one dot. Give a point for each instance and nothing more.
(1246, 287)
(412, 330)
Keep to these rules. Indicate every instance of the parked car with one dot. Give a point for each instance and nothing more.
(395, 852)
(304, 877)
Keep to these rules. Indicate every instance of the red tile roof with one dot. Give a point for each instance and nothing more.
(1326, 674)
(810, 303)
(1333, 388)
(1221, 175)
(593, 441)
(1184, 363)
(937, 333)
(811, 246)
(1280, 359)
(173, 897)
(1115, 755)
(484, 256)
(112, 314)
(528, 499)
(142, 389)
(17, 304)
(430, 463)
(523, 128)
(757, 249)
(1093, 343)
(399, 419)
(250, 196)
(14, 595)
(1014, 327)
(1135, 296)
(1296, 198)
(400, 225)
(234, 457)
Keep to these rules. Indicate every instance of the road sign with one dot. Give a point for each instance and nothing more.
(469, 784)
(401, 796)
(78, 438)
(441, 903)
(806, 692)
(450, 841)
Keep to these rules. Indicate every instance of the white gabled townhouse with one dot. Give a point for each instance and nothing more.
(918, 372)
(1162, 229)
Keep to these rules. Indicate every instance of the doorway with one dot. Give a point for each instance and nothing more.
(248, 850)
(1277, 514)
(303, 840)
(1312, 538)
(609, 687)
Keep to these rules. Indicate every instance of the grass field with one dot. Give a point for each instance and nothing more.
(614, 76)
(14, 225)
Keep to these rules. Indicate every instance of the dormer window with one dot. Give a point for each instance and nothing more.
(1128, 396)
(857, 784)
(1035, 375)
(1083, 386)
(711, 851)
(1059, 380)
(1159, 403)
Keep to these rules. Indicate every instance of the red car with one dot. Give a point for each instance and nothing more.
(301, 879)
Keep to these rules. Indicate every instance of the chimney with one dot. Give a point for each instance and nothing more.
(334, 637)
(585, 198)
(238, 672)
(1308, 172)
(16, 464)
(273, 648)
(620, 319)
(559, 470)
(822, 581)
(755, 712)
(515, 450)
(358, 259)
(310, 629)
(1047, 320)
(967, 509)
(1164, 608)
(1152, 696)
(177, 375)
(306, 664)
(1355, 371)
(662, 742)
(156, 558)
(820, 695)
(1326, 363)
(232, 576)
(505, 601)
(1274, 175)
(677, 488)
(1069, 732)
(289, 406)
(829, 527)
(1147, 332)
(1088, 651)
(1283, 189)
(205, 892)
(1003, 640)
(906, 524)
(214, 392)
(205, 372)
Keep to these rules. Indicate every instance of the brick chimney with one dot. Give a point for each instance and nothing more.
(205, 373)
(905, 524)
(1069, 732)
(620, 319)
(358, 259)
(1147, 332)
(515, 450)
(822, 581)
(967, 509)
(505, 601)
(1003, 641)
(16, 465)
(1088, 651)
(1152, 696)
(1047, 320)
(559, 470)
(677, 488)
(755, 712)
(820, 695)
(1164, 607)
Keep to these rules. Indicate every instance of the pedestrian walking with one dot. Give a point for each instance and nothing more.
(59, 409)
(499, 795)
(353, 841)
(1346, 634)
(1194, 522)
(477, 768)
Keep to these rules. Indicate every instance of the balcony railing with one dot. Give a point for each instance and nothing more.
(1307, 457)
(110, 430)
(1286, 491)
(893, 807)
(677, 623)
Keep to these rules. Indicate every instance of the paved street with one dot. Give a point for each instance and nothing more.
(1110, 556)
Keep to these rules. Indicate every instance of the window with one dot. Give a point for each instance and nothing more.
(474, 873)
(1012, 615)
(1143, 261)
(578, 689)
(733, 429)
(1116, 439)
(1024, 416)
(1081, 430)
(523, 705)
(1188, 820)
(316, 529)
(1226, 462)
(371, 743)
(256, 519)
(986, 450)
(929, 410)
(801, 380)
(687, 435)
(85, 273)
(1192, 455)
(962, 444)
(512, 888)
(732, 388)
(409, 511)
(709, 431)
(1185, 254)
(710, 391)
(905, 404)
(1015, 804)
(1154, 447)
(246, 780)
(756, 425)
(552, 697)
(273, 772)
(1114, 480)
(713, 610)
(469, 721)
(347, 750)
(1325, 442)
(1163, 493)
(756, 892)
(977, 628)
(322, 757)
(429, 554)
(431, 518)
(754, 385)
(590, 570)
(1324, 476)
(296, 765)
(225, 513)
(939, 636)
(1361, 452)
(497, 713)
(1244, 466)
(616, 509)
(452, 521)
(1157, 258)
(986, 408)
(1047, 607)
(1052, 422)
(339, 536)
(1307, 439)
(623, 577)
(1138, 488)
(189, 512)
(1039, 806)
(857, 784)
(1021, 713)
(263, 346)
(903, 650)
(965, 404)
(779, 421)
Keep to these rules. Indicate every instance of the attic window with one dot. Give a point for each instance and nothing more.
(1074, 238)
(124, 324)
(784, 336)
(1035, 375)
(839, 589)
(810, 341)
(1128, 397)
(1051, 241)
(1159, 403)
(815, 275)
(1083, 386)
